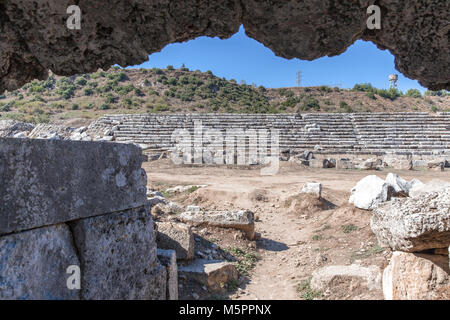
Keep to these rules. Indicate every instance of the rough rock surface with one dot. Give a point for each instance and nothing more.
(412, 276)
(33, 264)
(313, 188)
(398, 184)
(324, 278)
(369, 192)
(168, 258)
(211, 273)
(34, 39)
(178, 237)
(414, 224)
(107, 244)
(46, 182)
(9, 128)
(241, 220)
(433, 186)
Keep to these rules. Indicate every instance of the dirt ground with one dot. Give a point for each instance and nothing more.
(295, 239)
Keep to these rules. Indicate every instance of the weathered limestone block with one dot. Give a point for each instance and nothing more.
(176, 236)
(369, 192)
(46, 182)
(211, 273)
(419, 188)
(118, 256)
(33, 264)
(168, 259)
(241, 220)
(321, 163)
(345, 164)
(313, 188)
(399, 164)
(414, 224)
(412, 276)
(437, 165)
(369, 164)
(398, 184)
(369, 277)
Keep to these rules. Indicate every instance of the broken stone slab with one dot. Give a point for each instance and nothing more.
(118, 257)
(398, 184)
(369, 164)
(345, 164)
(168, 259)
(313, 188)
(46, 182)
(399, 164)
(437, 165)
(34, 263)
(369, 277)
(214, 274)
(178, 237)
(433, 186)
(412, 276)
(321, 163)
(165, 208)
(369, 192)
(241, 220)
(414, 224)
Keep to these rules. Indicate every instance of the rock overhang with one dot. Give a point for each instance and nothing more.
(34, 37)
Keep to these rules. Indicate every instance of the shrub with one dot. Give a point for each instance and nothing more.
(364, 87)
(370, 95)
(87, 92)
(105, 106)
(75, 106)
(413, 93)
(309, 104)
(80, 81)
(138, 92)
(170, 67)
(345, 107)
(391, 94)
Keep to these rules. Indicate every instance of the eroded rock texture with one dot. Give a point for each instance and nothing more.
(34, 37)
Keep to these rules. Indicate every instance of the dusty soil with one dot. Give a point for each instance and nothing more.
(295, 239)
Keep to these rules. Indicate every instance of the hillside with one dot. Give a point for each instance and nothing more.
(183, 91)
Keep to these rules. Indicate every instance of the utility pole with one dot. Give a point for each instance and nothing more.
(299, 78)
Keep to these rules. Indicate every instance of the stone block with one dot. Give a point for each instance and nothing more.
(168, 259)
(211, 273)
(47, 182)
(118, 256)
(414, 224)
(33, 264)
(412, 276)
(241, 220)
(177, 237)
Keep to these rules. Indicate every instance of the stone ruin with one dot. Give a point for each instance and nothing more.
(84, 204)
(399, 140)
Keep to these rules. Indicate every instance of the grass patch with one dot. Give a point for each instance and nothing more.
(246, 260)
(192, 189)
(348, 228)
(317, 237)
(307, 293)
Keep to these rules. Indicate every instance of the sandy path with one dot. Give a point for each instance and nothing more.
(287, 252)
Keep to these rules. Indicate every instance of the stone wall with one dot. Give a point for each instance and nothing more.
(67, 203)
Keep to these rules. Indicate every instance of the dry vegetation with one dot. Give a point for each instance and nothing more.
(181, 90)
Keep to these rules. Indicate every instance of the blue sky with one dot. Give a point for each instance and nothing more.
(242, 58)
